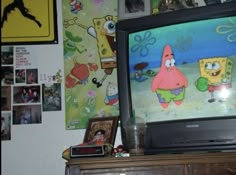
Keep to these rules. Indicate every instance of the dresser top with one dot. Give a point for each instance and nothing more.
(154, 160)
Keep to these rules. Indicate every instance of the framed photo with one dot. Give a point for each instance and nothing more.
(161, 6)
(35, 21)
(101, 130)
(133, 8)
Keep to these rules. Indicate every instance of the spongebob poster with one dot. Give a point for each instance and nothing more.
(89, 60)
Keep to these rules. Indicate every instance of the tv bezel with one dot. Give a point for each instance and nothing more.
(125, 27)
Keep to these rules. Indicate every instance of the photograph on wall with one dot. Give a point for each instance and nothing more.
(26, 94)
(7, 75)
(133, 8)
(7, 55)
(35, 21)
(31, 76)
(161, 6)
(20, 76)
(51, 97)
(27, 114)
(5, 126)
(90, 66)
(5, 98)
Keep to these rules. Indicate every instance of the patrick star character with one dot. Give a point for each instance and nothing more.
(169, 83)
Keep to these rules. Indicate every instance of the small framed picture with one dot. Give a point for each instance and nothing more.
(161, 6)
(133, 8)
(101, 130)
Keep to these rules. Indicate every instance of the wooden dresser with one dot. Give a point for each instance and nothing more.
(174, 164)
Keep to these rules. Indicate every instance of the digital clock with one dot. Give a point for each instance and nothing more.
(88, 151)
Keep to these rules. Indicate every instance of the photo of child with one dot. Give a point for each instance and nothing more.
(99, 137)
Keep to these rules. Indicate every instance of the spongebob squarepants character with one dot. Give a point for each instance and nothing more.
(215, 76)
(104, 32)
(169, 83)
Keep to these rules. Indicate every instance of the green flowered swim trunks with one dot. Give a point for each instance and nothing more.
(165, 96)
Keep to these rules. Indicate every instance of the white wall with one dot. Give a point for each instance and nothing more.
(37, 149)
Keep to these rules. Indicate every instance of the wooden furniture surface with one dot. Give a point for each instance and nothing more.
(173, 164)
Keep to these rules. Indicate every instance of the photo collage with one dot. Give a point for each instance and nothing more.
(23, 96)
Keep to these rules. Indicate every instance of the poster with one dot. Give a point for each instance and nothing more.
(24, 76)
(89, 60)
(35, 21)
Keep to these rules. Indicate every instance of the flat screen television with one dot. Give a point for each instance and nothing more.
(177, 71)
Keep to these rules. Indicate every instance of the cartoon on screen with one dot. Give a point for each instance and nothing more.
(216, 77)
(169, 83)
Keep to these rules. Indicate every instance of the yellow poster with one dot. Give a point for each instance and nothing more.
(28, 22)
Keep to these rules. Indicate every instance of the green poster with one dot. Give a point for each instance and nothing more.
(90, 60)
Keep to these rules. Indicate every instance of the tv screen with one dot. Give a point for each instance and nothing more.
(178, 65)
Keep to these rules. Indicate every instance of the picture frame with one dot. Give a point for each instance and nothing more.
(35, 21)
(133, 9)
(162, 6)
(107, 126)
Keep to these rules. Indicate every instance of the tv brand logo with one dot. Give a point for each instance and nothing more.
(192, 126)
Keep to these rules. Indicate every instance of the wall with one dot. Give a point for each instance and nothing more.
(37, 149)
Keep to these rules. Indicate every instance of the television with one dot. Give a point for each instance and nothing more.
(177, 71)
